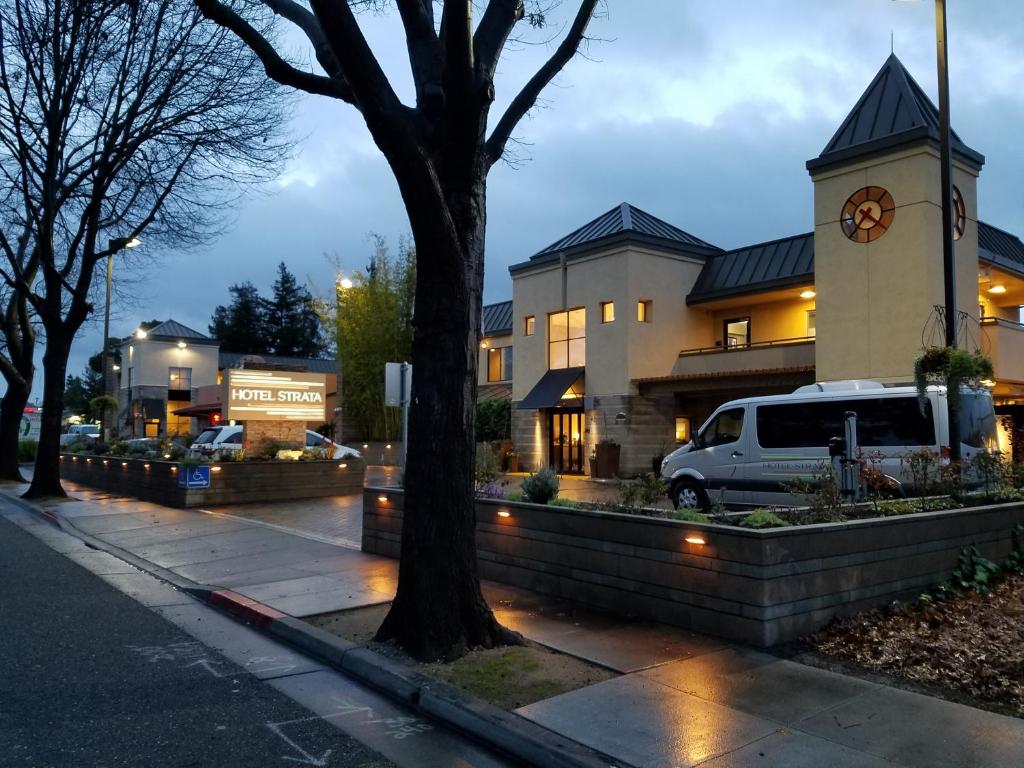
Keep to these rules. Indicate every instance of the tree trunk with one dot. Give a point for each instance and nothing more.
(46, 475)
(439, 610)
(12, 407)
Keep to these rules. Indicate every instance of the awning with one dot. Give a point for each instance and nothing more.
(554, 389)
(200, 409)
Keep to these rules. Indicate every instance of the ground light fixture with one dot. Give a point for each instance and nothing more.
(695, 539)
(216, 469)
(343, 466)
(382, 499)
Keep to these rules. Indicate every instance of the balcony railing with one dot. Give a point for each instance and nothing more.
(1005, 345)
(761, 355)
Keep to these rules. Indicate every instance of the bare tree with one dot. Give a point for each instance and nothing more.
(440, 153)
(117, 117)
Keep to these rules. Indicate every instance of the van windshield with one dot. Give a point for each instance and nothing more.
(725, 428)
(208, 436)
(977, 420)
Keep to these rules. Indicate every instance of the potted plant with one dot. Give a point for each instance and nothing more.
(607, 458)
(511, 460)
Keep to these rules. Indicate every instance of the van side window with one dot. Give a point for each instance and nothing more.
(726, 428)
(799, 425)
(891, 421)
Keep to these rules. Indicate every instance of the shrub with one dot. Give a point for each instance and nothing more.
(490, 490)
(493, 419)
(269, 448)
(541, 487)
(821, 494)
(1015, 560)
(973, 571)
(514, 496)
(566, 503)
(690, 516)
(27, 450)
(487, 464)
(645, 491)
(992, 470)
(763, 518)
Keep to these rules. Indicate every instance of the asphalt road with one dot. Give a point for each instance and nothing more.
(89, 677)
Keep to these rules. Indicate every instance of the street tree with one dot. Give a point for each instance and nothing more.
(440, 153)
(293, 324)
(17, 352)
(241, 326)
(116, 119)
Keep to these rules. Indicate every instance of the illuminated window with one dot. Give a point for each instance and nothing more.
(682, 429)
(567, 332)
(811, 325)
(644, 313)
(179, 383)
(529, 325)
(607, 311)
(176, 425)
(737, 332)
(499, 364)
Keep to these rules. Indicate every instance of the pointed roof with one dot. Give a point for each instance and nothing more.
(175, 331)
(894, 110)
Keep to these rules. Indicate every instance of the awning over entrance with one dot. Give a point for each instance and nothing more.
(557, 387)
(203, 409)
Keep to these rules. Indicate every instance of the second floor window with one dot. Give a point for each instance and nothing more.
(607, 311)
(179, 379)
(567, 339)
(499, 364)
(529, 324)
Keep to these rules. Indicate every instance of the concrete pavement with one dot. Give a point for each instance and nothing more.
(681, 699)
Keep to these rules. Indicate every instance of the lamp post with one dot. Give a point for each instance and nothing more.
(115, 245)
(343, 284)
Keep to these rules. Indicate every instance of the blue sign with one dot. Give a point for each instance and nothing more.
(194, 477)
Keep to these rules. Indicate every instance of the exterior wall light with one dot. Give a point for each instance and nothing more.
(504, 513)
(485, 344)
(997, 288)
(173, 469)
(808, 294)
(115, 367)
(105, 462)
(182, 345)
(167, 455)
(88, 461)
(140, 334)
(382, 499)
(365, 446)
(124, 463)
(387, 447)
(694, 539)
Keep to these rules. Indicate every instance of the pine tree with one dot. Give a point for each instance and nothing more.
(242, 325)
(293, 326)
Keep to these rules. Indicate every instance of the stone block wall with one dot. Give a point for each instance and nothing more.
(289, 433)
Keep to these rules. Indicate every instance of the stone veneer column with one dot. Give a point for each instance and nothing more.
(290, 433)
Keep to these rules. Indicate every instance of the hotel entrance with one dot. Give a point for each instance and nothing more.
(565, 444)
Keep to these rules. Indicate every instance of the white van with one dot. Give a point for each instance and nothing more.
(749, 448)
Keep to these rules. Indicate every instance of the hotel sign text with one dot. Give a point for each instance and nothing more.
(276, 395)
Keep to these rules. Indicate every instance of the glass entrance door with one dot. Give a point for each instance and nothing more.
(566, 443)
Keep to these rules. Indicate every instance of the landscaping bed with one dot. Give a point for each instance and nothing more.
(969, 646)
(508, 677)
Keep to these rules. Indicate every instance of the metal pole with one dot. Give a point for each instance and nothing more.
(948, 247)
(339, 435)
(405, 412)
(105, 359)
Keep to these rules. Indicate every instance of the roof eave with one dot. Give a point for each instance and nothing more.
(986, 256)
(868, 149)
(610, 241)
(697, 297)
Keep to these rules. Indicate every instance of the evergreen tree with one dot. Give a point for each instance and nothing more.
(293, 326)
(242, 325)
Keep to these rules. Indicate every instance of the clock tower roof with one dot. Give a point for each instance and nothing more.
(894, 111)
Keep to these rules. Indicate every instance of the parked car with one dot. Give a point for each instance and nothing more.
(229, 439)
(80, 433)
(750, 448)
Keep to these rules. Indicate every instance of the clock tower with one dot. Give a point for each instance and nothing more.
(877, 233)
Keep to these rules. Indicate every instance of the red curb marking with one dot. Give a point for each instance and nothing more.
(259, 614)
(51, 516)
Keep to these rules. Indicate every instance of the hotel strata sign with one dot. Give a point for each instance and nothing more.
(275, 395)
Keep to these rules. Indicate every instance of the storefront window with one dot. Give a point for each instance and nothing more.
(567, 333)
(682, 429)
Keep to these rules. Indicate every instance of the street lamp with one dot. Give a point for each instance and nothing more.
(115, 245)
(342, 284)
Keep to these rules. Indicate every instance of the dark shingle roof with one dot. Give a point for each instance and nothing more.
(233, 360)
(621, 223)
(172, 329)
(894, 110)
(1001, 248)
(497, 319)
(761, 267)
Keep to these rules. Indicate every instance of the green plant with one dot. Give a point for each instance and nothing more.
(566, 503)
(951, 479)
(891, 507)
(646, 491)
(493, 419)
(191, 461)
(690, 516)
(487, 464)
(951, 367)
(992, 469)
(269, 448)
(872, 474)
(1015, 560)
(514, 496)
(27, 450)
(973, 571)
(822, 496)
(540, 487)
(922, 466)
(763, 518)
(101, 405)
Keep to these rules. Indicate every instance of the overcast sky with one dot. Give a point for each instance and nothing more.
(701, 113)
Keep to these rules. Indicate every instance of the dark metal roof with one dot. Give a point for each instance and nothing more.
(1000, 248)
(761, 267)
(313, 365)
(893, 111)
(624, 222)
(497, 319)
(547, 393)
(172, 329)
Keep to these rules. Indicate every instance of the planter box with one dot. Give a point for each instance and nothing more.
(606, 460)
(758, 587)
(230, 482)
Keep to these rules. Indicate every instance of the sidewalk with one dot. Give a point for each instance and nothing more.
(680, 699)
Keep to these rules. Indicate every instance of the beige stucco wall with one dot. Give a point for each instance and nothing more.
(768, 322)
(151, 359)
(875, 299)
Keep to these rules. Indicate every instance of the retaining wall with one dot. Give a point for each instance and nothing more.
(758, 587)
(230, 482)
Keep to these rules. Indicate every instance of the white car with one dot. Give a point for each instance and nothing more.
(230, 439)
(80, 433)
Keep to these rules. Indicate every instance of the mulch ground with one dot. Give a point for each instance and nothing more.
(971, 645)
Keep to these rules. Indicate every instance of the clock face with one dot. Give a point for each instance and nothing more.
(959, 214)
(868, 214)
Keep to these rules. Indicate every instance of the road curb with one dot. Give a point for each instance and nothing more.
(505, 732)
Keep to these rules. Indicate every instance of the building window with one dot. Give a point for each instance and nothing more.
(179, 383)
(567, 332)
(811, 326)
(607, 311)
(644, 311)
(737, 332)
(499, 364)
(682, 429)
(176, 425)
(529, 325)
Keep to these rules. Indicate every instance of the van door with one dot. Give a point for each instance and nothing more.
(721, 454)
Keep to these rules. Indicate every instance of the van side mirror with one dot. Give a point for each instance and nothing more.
(697, 442)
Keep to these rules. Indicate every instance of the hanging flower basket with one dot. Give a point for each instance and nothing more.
(952, 368)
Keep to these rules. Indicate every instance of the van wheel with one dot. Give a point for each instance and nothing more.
(687, 494)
